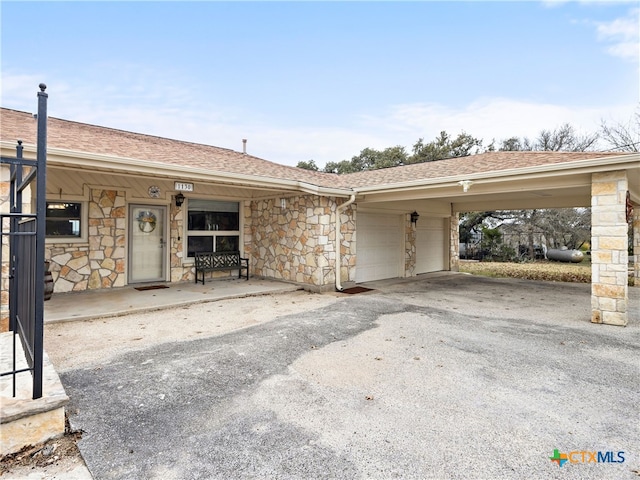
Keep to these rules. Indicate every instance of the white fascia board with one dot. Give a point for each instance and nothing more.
(59, 157)
(591, 166)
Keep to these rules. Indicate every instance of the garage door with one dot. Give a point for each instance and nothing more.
(380, 245)
(430, 245)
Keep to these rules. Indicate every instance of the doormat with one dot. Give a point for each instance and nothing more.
(353, 290)
(151, 287)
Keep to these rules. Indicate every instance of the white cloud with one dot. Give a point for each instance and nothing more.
(15, 92)
(492, 118)
(622, 35)
(163, 108)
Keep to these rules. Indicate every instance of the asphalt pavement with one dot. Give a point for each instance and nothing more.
(449, 377)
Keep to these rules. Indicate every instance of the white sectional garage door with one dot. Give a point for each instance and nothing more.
(380, 245)
(430, 245)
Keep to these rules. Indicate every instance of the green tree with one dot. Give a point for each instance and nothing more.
(444, 146)
(370, 159)
(558, 227)
(339, 167)
(310, 165)
(515, 144)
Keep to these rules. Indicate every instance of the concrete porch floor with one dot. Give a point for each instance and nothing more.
(64, 307)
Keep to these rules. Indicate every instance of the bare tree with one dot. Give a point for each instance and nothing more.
(623, 137)
(565, 139)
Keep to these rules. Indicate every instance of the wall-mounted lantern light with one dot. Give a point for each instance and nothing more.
(179, 199)
(414, 217)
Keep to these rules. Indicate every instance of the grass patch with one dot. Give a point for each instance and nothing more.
(540, 270)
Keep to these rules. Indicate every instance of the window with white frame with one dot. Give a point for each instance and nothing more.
(212, 226)
(64, 220)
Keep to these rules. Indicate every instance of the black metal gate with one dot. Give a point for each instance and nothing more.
(26, 252)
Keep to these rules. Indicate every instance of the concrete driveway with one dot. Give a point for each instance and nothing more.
(447, 376)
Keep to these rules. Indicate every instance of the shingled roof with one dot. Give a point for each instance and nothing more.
(81, 137)
(484, 163)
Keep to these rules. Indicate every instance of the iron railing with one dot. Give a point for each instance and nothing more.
(26, 253)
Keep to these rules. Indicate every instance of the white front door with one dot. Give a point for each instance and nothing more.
(147, 243)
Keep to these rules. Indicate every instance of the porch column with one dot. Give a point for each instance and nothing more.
(636, 245)
(454, 242)
(609, 243)
(409, 247)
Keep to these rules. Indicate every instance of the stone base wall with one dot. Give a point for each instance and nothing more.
(178, 271)
(26, 421)
(31, 430)
(454, 242)
(347, 246)
(99, 263)
(410, 235)
(636, 245)
(297, 242)
(609, 248)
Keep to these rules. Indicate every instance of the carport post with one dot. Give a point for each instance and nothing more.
(609, 243)
(454, 242)
(636, 245)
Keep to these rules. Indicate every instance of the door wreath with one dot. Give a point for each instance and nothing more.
(146, 221)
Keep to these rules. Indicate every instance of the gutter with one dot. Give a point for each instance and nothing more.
(339, 210)
(122, 165)
(579, 166)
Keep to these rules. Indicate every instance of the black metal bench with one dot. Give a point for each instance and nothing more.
(216, 261)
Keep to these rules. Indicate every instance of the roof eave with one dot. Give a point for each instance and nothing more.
(548, 170)
(99, 162)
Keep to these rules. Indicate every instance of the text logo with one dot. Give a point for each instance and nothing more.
(583, 456)
(559, 458)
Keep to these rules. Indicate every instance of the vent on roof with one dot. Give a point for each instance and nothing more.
(244, 146)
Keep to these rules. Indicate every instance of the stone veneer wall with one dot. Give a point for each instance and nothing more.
(609, 248)
(636, 245)
(99, 263)
(297, 243)
(179, 272)
(347, 245)
(410, 235)
(454, 242)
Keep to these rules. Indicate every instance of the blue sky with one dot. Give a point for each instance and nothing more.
(323, 80)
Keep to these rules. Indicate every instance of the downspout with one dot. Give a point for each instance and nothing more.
(339, 210)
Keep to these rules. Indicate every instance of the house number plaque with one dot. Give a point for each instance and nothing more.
(183, 187)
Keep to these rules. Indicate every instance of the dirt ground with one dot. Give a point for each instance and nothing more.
(58, 458)
(82, 344)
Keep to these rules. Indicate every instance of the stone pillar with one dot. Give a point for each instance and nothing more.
(636, 245)
(454, 242)
(409, 247)
(609, 243)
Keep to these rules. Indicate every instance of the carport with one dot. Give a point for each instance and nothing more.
(312, 228)
(440, 191)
